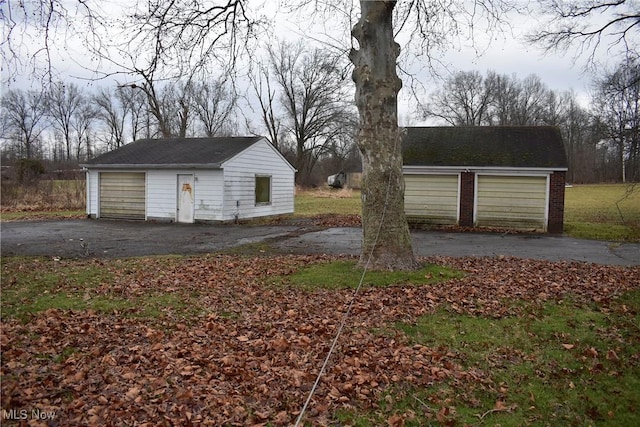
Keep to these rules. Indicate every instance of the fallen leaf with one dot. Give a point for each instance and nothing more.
(254, 352)
(395, 421)
(499, 406)
(133, 393)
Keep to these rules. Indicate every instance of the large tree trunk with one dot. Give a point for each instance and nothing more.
(377, 86)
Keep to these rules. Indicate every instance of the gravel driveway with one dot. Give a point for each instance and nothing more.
(102, 238)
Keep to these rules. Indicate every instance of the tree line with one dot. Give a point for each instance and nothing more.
(298, 98)
(301, 100)
(65, 123)
(602, 140)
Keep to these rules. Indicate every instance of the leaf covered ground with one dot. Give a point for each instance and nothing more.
(226, 340)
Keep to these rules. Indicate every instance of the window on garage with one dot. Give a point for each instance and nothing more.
(263, 190)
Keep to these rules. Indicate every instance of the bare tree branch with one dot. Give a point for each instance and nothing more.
(36, 30)
(589, 27)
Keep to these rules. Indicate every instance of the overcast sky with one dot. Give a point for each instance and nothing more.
(506, 55)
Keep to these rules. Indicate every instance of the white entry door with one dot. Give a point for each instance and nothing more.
(186, 198)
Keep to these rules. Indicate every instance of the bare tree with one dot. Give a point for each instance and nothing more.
(184, 35)
(175, 109)
(588, 27)
(468, 99)
(465, 100)
(72, 114)
(23, 117)
(32, 27)
(386, 239)
(505, 91)
(64, 103)
(262, 88)
(113, 115)
(82, 126)
(155, 105)
(580, 138)
(313, 97)
(529, 104)
(214, 104)
(123, 113)
(617, 100)
(520, 102)
(136, 107)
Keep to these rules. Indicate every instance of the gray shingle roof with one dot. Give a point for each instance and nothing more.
(493, 146)
(175, 151)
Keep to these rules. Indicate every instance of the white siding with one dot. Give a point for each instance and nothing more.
(209, 195)
(162, 196)
(92, 193)
(511, 201)
(219, 194)
(432, 198)
(239, 183)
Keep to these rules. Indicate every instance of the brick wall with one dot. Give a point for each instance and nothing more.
(467, 184)
(556, 202)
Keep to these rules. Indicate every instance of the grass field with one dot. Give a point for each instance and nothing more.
(479, 341)
(603, 212)
(460, 342)
(327, 201)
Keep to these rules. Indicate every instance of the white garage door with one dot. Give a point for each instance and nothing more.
(511, 202)
(122, 195)
(431, 199)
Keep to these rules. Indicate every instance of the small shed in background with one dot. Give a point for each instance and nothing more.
(485, 176)
(345, 180)
(190, 180)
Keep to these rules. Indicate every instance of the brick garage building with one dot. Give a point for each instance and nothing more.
(485, 176)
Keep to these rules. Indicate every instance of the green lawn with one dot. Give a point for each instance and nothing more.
(603, 211)
(344, 274)
(561, 365)
(321, 202)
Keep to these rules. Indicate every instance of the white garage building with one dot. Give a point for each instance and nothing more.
(191, 180)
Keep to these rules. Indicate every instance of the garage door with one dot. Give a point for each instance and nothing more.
(511, 202)
(122, 195)
(431, 199)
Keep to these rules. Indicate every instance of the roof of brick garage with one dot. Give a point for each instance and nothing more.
(176, 151)
(492, 146)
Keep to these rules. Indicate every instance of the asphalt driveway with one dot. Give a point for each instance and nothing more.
(115, 239)
(101, 238)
